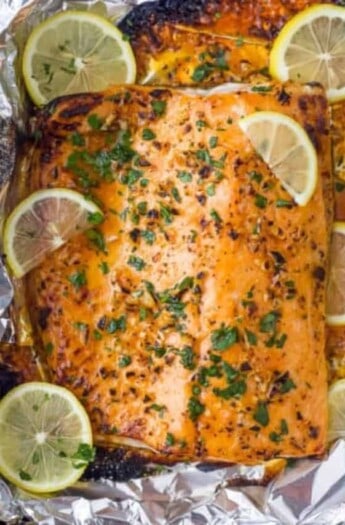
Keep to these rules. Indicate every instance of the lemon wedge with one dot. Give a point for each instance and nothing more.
(335, 301)
(311, 47)
(286, 148)
(43, 222)
(75, 52)
(45, 437)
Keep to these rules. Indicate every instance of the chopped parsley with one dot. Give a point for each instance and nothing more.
(148, 134)
(169, 440)
(48, 348)
(261, 89)
(213, 142)
(77, 139)
(158, 408)
(260, 201)
(224, 337)
(187, 357)
(115, 325)
(201, 72)
(185, 284)
(159, 107)
(149, 236)
(235, 389)
(95, 218)
(201, 123)
(268, 322)
(124, 361)
(82, 327)
(261, 414)
(104, 267)
(142, 208)
(25, 476)
(286, 386)
(255, 176)
(166, 213)
(215, 216)
(251, 338)
(97, 335)
(282, 203)
(136, 262)
(94, 121)
(195, 408)
(184, 176)
(211, 190)
(176, 194)
(78, 279)
(83, 456)
(97, 238)
(131, 177)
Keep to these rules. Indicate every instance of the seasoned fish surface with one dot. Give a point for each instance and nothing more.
(192, 319)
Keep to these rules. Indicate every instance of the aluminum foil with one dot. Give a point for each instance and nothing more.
(311, 492)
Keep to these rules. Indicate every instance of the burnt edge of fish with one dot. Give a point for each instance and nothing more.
(119, 464)
(142, 17)
(7, 149)
(9, 378)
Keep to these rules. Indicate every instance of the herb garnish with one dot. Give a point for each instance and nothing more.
(136, 262)
(94, 121)
(224, 337)
(268, 322)
(78, 279)
(184, 176)
(148, 134)
(159, 107)
(114, 325)
(169, 440)
(187, 357)
(83, 456)
(124, 361)
(195, 408)
(97, 239)
(95, 218)
(261, 414)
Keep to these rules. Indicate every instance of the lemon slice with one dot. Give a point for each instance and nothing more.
(286, 148)
(45, 437)
(43, 222)
(75, 52)
(311, 47)
(336, 410)
(335, 303)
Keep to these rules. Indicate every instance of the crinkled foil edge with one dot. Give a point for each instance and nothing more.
(310, 492)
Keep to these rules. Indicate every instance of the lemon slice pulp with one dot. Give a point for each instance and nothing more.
(45, 437)
(43, 222)
(75, 52)
(336, 408)
(311, 47)
(335, 300)
(286, 148)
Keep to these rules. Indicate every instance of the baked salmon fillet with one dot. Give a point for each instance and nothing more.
(190, 321)
(209, 42)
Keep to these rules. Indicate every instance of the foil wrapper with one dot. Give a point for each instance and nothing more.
(309, 492)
